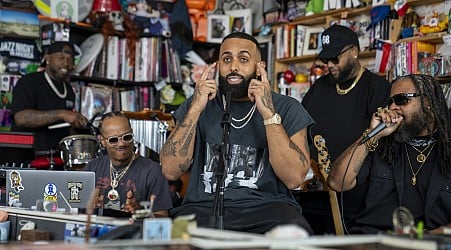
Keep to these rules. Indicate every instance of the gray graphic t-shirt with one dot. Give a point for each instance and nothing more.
(250, 179)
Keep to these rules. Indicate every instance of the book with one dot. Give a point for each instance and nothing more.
(300, 38)
(112, 65)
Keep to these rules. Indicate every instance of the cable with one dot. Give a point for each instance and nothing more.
(341, 192)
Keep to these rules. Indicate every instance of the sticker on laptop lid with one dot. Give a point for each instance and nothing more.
(16, 181)
(74, 190)
(50, 192)
(14, 199)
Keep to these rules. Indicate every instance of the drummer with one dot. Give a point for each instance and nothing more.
(46, 98)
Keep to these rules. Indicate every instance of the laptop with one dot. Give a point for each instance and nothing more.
(29, 188)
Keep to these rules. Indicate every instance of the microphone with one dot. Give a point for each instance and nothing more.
(373, 132)
(228, 100)
(226, 118)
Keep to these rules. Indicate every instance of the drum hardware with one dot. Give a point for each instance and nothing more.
(46, 158)
(78, 150)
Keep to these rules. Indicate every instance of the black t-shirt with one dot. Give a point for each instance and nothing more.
(341, 119)
(34, 92)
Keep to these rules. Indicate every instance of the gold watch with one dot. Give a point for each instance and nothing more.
(276, 119)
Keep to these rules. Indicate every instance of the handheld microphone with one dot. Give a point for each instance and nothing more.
(373, 132)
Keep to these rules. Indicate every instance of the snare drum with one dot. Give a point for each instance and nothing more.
(78, 150)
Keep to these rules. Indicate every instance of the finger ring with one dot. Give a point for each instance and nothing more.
(379, 110)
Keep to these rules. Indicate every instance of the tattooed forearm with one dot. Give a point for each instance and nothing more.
(184, 167)
(185, 146)
(168, 149)
(302, 156)
(267, 101)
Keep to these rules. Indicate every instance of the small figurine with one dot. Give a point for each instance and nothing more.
(116, 19)
(148, 19)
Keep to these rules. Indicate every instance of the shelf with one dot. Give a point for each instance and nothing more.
(432, 38)
(116, 83)
(443, 79)
(309, 58)
(109, 82)
(315, 19)
(414, 3)
(321, 18)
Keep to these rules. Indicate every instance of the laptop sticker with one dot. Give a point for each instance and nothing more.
(74, 189)
(16, 181)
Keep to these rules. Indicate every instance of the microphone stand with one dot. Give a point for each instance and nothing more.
(224, 157)
(94, 130)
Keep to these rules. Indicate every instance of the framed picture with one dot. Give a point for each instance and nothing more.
(312, 42)
(218, 28)
(240, 20)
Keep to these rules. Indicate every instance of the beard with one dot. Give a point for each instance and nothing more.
(344, 75)
(409, 130)
(238, 90)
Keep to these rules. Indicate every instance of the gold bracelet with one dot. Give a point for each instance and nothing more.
(370, 144)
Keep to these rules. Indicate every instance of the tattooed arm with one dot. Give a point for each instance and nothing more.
(289, 157)
(335, 179)
(29, 118)
(177, 153)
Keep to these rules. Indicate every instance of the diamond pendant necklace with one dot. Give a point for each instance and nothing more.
(50, 82)
(414, 174)
(115, 177)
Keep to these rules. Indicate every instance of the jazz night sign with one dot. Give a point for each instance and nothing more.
(19, 49)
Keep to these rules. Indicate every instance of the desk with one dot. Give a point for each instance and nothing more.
(374, 242)
(53, 222)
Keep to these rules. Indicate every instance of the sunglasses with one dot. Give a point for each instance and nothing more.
(402, 98)
(127, 138)
(334, 60)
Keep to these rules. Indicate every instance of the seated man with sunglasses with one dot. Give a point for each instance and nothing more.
(123, 178)
(406, 164)
(341, 103)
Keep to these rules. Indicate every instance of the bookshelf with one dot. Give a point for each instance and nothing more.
(324, 19)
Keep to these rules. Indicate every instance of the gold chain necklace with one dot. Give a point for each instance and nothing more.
(421, 157)
(345, 91)
(414, 174)
(115, 177)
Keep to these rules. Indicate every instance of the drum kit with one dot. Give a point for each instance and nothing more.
(76, 151)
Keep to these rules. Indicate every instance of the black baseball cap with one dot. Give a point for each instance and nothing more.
(65, 47)
(335, 38)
